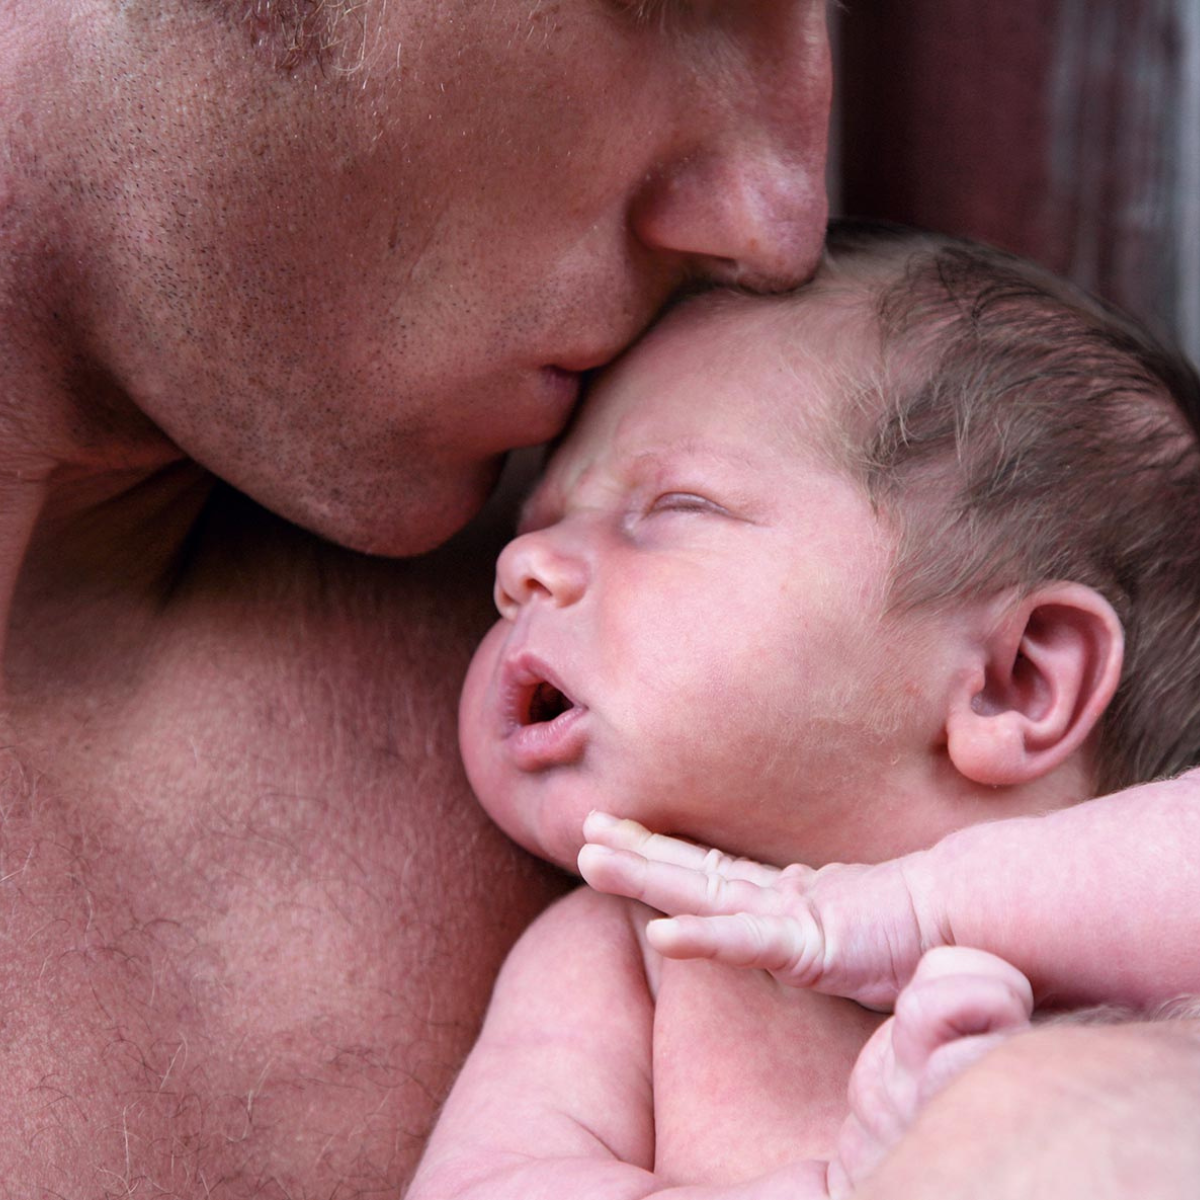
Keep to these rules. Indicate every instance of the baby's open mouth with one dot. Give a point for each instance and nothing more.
(545, 702)
(543, 726)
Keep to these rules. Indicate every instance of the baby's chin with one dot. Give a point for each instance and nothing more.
(519, 816)
(559, 846)
(533, 810)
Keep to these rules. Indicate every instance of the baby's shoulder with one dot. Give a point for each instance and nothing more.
(611, 916)
(591, 925)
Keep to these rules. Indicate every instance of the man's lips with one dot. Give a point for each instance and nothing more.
(568, 375)
(564, 378)
(563, 384)
(542, 722)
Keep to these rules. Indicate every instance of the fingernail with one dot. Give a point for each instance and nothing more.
(589, 856)
(600, 820)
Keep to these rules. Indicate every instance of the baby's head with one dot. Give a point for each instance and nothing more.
(825, 576)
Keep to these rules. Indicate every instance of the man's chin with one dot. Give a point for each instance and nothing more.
(407, 522)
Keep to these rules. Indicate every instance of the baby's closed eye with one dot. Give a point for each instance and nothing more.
(686, 502)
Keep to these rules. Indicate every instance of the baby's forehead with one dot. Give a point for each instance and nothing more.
(722, 374)
(804, 365)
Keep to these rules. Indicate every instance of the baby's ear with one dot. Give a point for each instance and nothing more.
(1049, 668)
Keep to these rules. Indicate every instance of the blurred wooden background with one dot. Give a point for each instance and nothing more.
(1066, 130)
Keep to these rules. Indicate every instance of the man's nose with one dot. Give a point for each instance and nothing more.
(538, 566)
(743, 200)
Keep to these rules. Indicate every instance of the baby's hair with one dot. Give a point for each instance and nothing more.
(1029, 433)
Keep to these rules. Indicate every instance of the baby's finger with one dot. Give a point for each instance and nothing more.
(616, 834)
(670, 888)
(948, 962)
(739, 940)
(940, 1007)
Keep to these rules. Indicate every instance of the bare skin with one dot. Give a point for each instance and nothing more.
(683, 572)
(232, 810)
(250, 913)
(224, 872)
(1121, 1101)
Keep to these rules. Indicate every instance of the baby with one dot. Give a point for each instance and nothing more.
(900, 569)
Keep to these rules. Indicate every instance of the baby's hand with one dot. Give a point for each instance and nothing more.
(960, 1003)
(854, 931)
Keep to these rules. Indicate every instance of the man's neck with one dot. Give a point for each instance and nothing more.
(97, 566)
(87, 483)
(95, 503)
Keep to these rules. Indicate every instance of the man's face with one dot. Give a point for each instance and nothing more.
(692, 627)
(358, 285)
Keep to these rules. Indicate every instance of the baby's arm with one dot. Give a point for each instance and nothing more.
(1098, 902)
(556, 1098)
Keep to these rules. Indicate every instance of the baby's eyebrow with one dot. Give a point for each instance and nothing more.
(692, 450)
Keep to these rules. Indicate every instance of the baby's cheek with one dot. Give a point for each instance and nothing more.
(508, 796)
(479, 720)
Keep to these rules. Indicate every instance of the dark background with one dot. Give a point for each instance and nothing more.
(1065, 130)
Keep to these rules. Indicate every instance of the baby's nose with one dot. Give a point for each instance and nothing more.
(538, 566)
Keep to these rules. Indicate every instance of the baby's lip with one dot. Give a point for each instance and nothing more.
(541, 718)
(533, 694)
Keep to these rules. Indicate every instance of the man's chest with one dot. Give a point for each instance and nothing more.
(747, 1075)
(250, 922)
